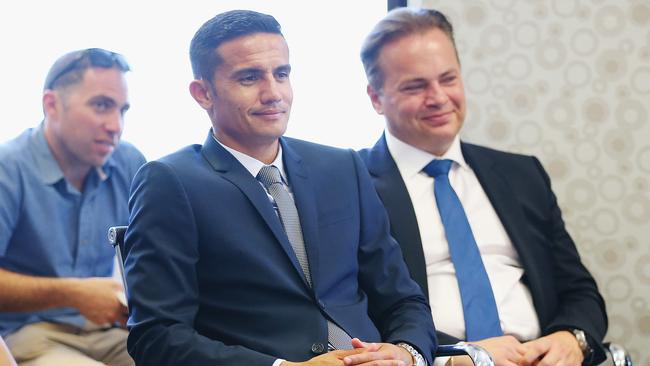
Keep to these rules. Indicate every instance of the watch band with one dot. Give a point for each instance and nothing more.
(582, 341)
(418, 360)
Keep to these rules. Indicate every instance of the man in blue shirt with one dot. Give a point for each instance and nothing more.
(62, 185)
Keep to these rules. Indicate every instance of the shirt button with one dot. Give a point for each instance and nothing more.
(317, 348)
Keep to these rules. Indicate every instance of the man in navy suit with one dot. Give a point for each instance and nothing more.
(548, 305)
(221, 271)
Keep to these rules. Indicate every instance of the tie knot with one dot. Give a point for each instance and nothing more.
(269, 175)
(438, 167)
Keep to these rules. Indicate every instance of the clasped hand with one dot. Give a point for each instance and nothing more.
(363, 354)
(556, 349)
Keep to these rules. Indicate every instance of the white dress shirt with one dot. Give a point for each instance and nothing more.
(502, 264)
(253, 165)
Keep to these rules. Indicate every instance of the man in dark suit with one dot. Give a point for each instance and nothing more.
(546, 306)
(226, 269)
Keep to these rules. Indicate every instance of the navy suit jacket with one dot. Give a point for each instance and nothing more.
(213, 279)
(564, 293)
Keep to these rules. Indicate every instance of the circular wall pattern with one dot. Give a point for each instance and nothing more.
(643, 159)
(610, 65)
(631, 114)
(642, 269)
(584, 42)
(522, 99)
(529, 133)
(595, 110)
(551, 54)
(612, 188)
(639, 13)
(636, 208)
(495, 39)
(610, 256)
(518, 66)
(504, 5)
(577, 74)
(618, 288)
(609, 21)
(580, 194)
(478, 81)
(565, 8)
(618, 144)
(475, 14)
(527, 34)
(605, 221)
(586, 151)
(560, 113)
(640, 79)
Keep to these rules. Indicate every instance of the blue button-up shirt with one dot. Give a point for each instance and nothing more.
(48, 228)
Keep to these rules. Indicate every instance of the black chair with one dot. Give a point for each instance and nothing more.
(479, 356)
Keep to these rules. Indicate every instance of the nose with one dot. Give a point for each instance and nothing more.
(270, 92)
(114, 123)
(436, 95)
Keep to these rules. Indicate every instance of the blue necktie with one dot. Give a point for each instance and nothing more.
(479, 306)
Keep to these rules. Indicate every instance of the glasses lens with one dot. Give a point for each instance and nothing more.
(102, 58)
(96, 57)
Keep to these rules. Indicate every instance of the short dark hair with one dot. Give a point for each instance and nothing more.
(69, 68)
(399, 23)
(222, 28)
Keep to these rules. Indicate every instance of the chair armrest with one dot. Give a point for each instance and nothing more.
(479, 356)
(620, 357)
(116, 239)
(116, 235)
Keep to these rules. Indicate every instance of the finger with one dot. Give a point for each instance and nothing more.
(357, 343)
(386, 363)
(369, 346)
(361, 358)
(382, 363)
(531, 357)
(521, 349)
(341, 353)
(551, 359)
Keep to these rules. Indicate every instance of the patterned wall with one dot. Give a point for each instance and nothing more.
(569, 82)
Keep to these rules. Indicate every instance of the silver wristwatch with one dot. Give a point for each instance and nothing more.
(582, 341)
(418, 360)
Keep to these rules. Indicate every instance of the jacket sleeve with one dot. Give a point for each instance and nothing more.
(580, 304)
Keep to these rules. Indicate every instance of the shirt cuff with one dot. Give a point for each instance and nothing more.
(278, 362)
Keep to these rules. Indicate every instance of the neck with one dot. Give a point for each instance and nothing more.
(264, 151)
(74, 171)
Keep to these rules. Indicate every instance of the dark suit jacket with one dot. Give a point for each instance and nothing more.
(564, 293)
(213, 279)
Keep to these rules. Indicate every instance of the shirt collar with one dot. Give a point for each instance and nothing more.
(410, 160)
(49, 170)
(253, 165)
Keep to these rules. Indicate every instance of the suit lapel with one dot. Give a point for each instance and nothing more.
(303, 188)
(230, 169)
(492, 177)
(404, 225)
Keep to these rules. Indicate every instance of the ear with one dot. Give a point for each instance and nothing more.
(200, 91)
(375, 99)
(50, 107)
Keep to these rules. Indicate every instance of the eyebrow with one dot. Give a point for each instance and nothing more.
(106, 98)
(259, 71)
(449, 73)
(286, 68)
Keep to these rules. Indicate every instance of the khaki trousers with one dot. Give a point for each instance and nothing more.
(50, 344)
